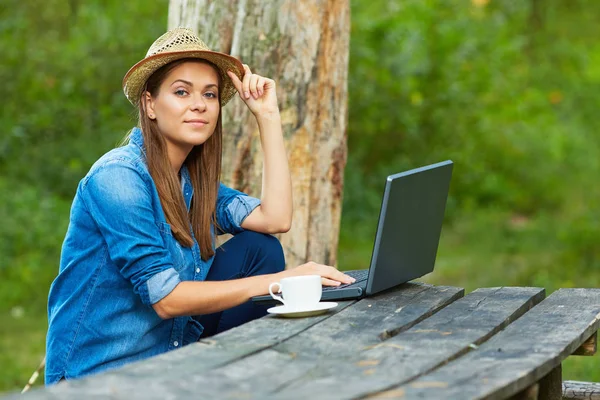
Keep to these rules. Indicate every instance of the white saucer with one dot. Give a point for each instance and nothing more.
(320, 308)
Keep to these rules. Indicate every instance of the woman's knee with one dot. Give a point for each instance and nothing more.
(274, 252)
(268, 248)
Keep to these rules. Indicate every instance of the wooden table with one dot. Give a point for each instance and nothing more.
(416, 341)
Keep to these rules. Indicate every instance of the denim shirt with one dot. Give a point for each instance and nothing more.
(118, 258)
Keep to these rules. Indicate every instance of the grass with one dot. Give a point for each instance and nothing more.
(22, 347)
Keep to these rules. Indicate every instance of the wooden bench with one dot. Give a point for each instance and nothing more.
(575, 390)
(415, 341)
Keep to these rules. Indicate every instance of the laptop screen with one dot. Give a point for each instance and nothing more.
(410, 225)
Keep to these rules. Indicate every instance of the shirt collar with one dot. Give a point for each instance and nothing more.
(135, 137)
(185, 175)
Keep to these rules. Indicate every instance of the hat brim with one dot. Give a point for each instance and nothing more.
(136, 77)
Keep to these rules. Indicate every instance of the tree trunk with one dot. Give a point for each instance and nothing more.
(303, 46)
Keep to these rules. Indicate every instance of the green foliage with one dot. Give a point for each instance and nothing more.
(61, 73)
(63, 106)
(507, 91)
(62, 69)
(22, 347)
(34, 224)
(510, 102)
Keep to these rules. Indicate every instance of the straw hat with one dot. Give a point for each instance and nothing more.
(174, 45)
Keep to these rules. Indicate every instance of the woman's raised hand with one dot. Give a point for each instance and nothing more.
(329, 275)
(257, 92)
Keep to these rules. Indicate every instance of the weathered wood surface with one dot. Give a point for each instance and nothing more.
(268, 372)
(576, 390)
(531, 393)
(550, 386)
(452, 331)
(589, 347)
(372, 320)
(304, 47)
(192, 359)
(207, 368)
(417, 341)
(527, 350)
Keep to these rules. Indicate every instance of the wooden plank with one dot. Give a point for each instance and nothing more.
(363, 324)
(577, 390)
(321, 373)
(519, 356)
(204, 355)
(589, 347)
(454, 330)
(372, 320)
(180, 373)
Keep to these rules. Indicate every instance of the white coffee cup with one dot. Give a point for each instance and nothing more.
(299, 292)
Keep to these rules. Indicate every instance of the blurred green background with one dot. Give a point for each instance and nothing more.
(509, 90)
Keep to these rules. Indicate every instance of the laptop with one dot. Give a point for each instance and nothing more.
(408, 234)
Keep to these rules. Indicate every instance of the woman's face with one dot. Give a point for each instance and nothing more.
(186, 107)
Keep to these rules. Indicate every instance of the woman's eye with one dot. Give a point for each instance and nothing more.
(211, 95)
(180, 92)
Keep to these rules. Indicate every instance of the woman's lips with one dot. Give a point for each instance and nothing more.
(197, 122)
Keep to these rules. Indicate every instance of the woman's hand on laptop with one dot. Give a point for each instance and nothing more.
(329, 275)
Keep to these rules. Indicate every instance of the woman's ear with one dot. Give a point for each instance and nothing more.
(149, 105)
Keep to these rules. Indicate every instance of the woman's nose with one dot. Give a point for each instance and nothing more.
(198, 104)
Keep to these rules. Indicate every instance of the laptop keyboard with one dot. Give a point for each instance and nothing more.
(359, 274)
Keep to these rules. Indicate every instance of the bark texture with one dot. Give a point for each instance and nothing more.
(303, 46)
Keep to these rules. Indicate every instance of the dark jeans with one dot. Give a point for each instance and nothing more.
(246, 254)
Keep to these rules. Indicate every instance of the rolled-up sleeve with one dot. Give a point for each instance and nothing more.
(233, 207)
(161, 284)
(120, 203)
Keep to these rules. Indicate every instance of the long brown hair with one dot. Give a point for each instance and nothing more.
(203, 163)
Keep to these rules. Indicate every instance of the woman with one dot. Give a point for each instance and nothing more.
(138, 262)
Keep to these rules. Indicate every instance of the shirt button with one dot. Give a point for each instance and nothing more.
(197, 270)
(176, 343)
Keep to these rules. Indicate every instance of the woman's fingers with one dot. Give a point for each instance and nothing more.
(254, 86)
(246, 81)
(339, 276)
(260, 86)
(329, 282)
(236, 81)
(329, 273)
(251, 84)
